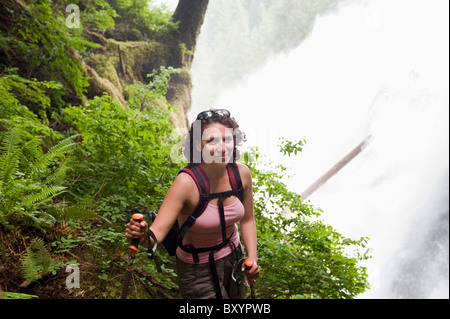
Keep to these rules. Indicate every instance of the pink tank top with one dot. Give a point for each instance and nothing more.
(207, 231)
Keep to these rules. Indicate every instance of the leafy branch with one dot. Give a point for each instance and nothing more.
(294, 243)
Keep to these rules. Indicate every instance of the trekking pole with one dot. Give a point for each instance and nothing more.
(248, 264)
(133, 250)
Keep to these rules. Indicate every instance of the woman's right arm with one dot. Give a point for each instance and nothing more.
(181, 197)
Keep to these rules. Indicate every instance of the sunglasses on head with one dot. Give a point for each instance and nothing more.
(207, 114)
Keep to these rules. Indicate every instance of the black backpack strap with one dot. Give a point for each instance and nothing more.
(199, 177)
(235, 179)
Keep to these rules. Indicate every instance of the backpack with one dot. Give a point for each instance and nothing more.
(175, 236)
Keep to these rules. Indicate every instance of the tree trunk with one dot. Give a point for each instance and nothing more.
(190, 15)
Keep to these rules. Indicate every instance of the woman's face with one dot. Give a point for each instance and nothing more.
(217, 144)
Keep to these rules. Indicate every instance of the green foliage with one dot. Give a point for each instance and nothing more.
(299, 255)
(40, 43)
(124, 157)
(288, 147)
(142, 96)
(97, 14)
(32, 93)
(139, 19)
(16, 92)
(65, 244)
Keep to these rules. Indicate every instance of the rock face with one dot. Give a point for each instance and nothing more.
(116, 64)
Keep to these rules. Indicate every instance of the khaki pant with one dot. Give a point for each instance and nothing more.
(196, 282)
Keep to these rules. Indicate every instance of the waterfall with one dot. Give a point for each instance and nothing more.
(377, 68)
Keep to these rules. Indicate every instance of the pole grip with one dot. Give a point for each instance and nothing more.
(135, 241)
(248, 263)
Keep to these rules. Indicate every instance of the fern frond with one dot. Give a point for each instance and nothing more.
(32, 153)
(72, 213)
(11, 141)
(57, 177)
(16, 295)
(52, 154)
(67, 229)
(10, 155)
(30, 268)
(37, 260)
(79, 213)
(42, 255)
(9, 164)
(45, 194)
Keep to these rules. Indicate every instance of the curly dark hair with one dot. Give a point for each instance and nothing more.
(193, 155)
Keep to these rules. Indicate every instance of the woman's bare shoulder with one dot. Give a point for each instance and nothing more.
(246, 174)
(184, 189)
(184, 183)
(244, 170)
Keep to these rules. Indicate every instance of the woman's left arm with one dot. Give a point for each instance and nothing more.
(247, 223)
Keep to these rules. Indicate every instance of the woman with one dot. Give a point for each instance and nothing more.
(210, 147)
